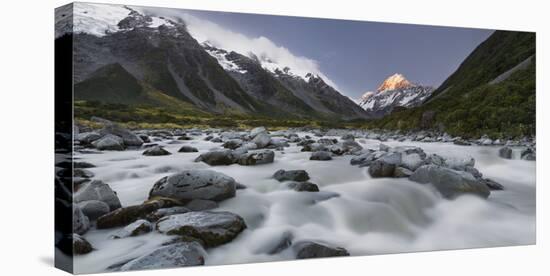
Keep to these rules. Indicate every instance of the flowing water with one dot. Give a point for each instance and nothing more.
(364, 215)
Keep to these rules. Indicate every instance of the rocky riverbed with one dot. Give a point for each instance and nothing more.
(164, 198)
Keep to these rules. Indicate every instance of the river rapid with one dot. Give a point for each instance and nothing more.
(352, 210)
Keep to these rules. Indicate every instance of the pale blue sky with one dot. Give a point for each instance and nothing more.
(358, 55)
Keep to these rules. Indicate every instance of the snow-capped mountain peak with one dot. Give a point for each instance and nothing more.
(394, 91)
(395, 81)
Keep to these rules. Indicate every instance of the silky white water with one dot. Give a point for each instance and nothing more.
(364, 215)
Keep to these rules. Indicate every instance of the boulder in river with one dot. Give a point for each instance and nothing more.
(303, 186)
(291, 175)
(98, 190)
(87, 137)
(213, 228)
(256, 158)
(126, 215)
(309, 249)
(80, 245)
(194, 184)
(173, 255)
(128, 137)
(136, 228)
(262, 140)
(385, 165)
(528, 154)
(217, 158)
(379, 168)
(450, 183)
(109, 142)
(94, 209)
(156, 151)
(320, 156)
(188, 149)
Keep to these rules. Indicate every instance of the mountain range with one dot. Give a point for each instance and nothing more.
(131, 58)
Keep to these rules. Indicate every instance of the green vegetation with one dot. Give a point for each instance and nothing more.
(158, 117)
(467, 105)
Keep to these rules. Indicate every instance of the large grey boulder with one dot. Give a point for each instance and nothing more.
(129, 138)
(136, 228)
(213, 228)
(379, 168)
(256, 158)
(291, 175)
(351, 146)
(450, 183)
(385, 165)
(262, 140)
(109, 142)
(195, 184)
(173, 255)
(309, 249)
(217, 158)
(94, 209)
(98, 190)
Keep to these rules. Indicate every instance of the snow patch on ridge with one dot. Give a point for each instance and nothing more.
(220, 56)
(97, 19)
